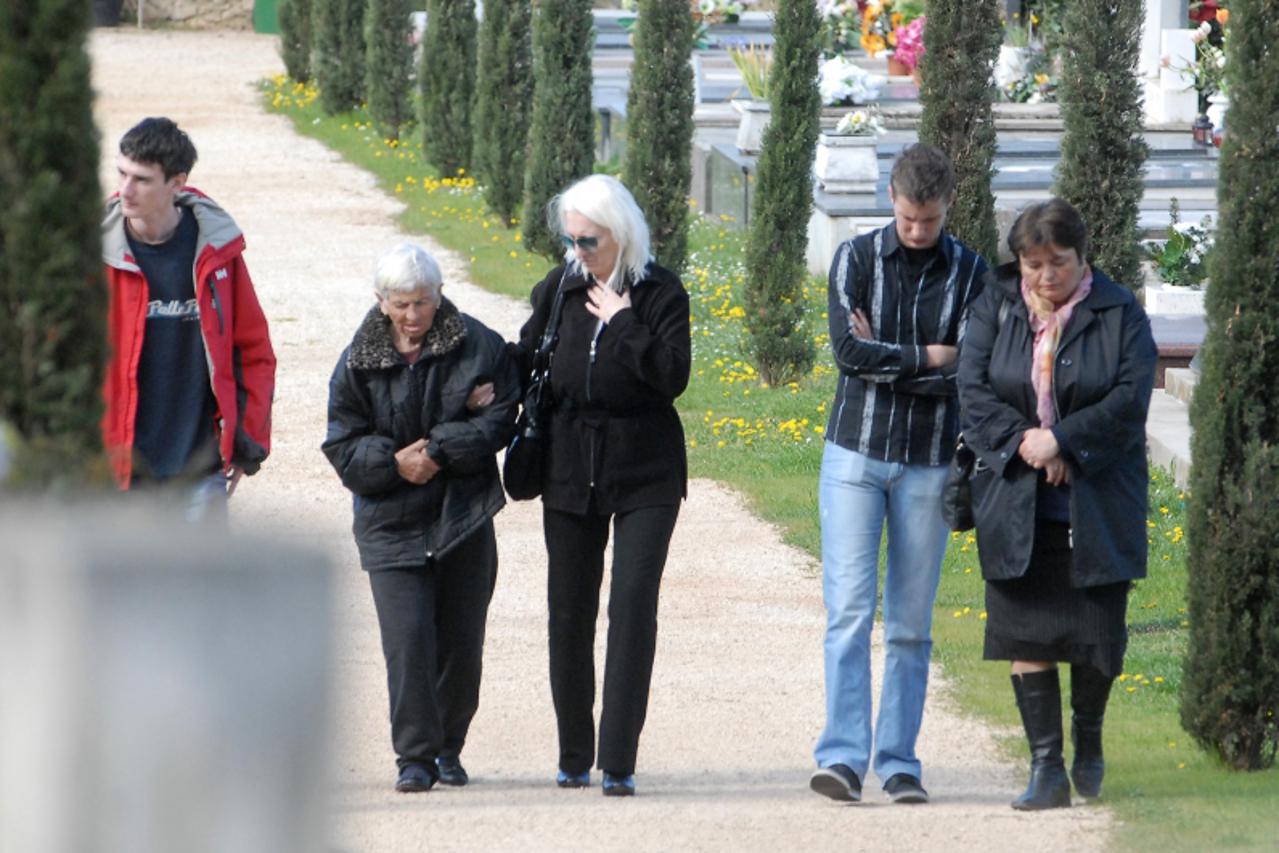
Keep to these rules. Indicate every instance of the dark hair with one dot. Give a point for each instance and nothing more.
(1053, 222)
(159, 141)
(922, 174)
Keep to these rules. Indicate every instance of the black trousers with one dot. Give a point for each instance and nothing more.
(432, 623)
(575, 548)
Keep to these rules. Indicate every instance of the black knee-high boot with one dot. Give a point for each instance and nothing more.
(1089, 690)
(1039, 700)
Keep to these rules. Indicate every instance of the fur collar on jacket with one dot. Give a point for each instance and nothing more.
(373, 349)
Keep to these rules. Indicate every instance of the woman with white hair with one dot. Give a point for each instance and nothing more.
(419, 405)
(616, 457)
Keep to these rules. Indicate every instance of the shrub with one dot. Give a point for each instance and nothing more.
(448, 84)
(562, 140)
(389, 77)
(779, 339)
(53, 302)
(1230, 690)
(660, 117)
(1102, 150)
(504, 90)
(295, 38)
(962, 40)
(339, 53)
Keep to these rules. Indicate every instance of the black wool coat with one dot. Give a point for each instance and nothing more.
(379, 403)
(1104, 371)
(615, 434)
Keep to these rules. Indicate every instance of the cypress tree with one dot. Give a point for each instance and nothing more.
(659, 111)
(503, 96)
(780, 343)
(1102, 150)
(562, 140)
(389, 77)
(961, 42)
(295, 38)
(339, 53)
(1230, 692)
(53, 299)
(447, 78)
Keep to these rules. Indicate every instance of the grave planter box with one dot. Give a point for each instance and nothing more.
(1161, 298)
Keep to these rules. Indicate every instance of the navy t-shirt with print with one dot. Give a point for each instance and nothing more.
(173, 433)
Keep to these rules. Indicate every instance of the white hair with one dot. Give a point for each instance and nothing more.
(608, 203)
(407, 268)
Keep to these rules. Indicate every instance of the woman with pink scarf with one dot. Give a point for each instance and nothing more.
(1055, 376)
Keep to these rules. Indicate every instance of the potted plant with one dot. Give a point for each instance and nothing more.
(1180, 263)
(909, 49)
(847, 159)
(1207, 74)
(754, 62)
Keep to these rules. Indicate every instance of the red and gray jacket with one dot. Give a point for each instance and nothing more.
(237, 345)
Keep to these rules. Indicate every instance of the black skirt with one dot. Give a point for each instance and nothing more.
(1040, 616)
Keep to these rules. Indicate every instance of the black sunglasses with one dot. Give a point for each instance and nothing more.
(586, 244)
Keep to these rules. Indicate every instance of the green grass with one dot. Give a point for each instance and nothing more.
(1166, 793)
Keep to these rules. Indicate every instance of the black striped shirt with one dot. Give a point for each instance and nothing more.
(889, 404)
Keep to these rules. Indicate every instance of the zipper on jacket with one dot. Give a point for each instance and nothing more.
(589, 364)
(217, 309)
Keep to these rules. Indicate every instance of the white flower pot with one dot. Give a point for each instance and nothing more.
(1162, 298)
(846, 164)
(750, 131)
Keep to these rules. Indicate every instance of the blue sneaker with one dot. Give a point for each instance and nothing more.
(573, 780)
(617, 785)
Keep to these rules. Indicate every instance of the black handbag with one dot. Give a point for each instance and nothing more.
(524, 468)
(957, 494)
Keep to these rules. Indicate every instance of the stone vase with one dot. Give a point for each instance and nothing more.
(750, 131)
(847, 164)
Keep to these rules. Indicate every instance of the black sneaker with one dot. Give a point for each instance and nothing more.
(838, 782)
(451, 771)
(905, 788)
(414, 778)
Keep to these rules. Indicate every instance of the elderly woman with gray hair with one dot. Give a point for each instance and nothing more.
(616, 459)
(419, 405)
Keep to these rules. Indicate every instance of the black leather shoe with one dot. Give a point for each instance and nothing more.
(905, 788)
(838, 782)
(414, 779)
(451, 771)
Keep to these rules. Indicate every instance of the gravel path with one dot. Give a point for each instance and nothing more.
(737, 696)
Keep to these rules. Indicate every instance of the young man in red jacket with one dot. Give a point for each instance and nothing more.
(188, 389)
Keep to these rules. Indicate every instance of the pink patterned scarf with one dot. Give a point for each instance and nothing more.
(1047, 322)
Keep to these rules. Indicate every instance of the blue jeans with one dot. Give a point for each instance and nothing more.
(856, 495)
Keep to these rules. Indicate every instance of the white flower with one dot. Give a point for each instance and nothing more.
(842, 81)
(706, 6)
(860, 123)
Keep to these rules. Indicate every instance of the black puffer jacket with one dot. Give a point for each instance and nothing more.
(1102, 377)
(379, 403)
(615, 433)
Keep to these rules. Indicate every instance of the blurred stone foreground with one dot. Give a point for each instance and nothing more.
(162, 688)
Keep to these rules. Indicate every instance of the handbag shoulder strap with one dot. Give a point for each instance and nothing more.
(550, 335)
